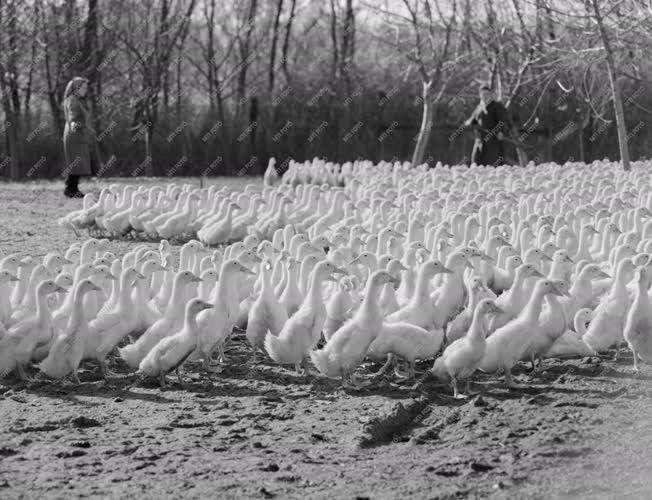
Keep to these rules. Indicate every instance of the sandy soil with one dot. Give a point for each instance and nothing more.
(582, 428)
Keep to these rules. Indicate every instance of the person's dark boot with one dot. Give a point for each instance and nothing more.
(72, 187)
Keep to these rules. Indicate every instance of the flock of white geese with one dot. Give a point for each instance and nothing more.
(474, 268)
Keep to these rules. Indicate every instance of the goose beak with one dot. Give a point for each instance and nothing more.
(545, 258)
(536, 274)
(67, 261)
(60, 289)
(557, 291)
(195, 279)
(111, 277)
(206, 305)
(402, 267)
(603, 275)
(246, 270)
(487, 258)
(13, 278)
(497, 310)
(469, 265)
(140, 276)
(338, 270)
(354, 261)
(95, 288)
(569, 260)
(445, 270)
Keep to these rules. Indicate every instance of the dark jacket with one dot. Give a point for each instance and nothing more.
(78, 144)
(488, 122)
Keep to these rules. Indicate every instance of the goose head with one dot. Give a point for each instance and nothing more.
(395, 267)
(321, 242)
(625, 270)
(612, 229)
(54, 263)
(326, 270)
(291, 264)
(418, 245)
(546, 287)
(459, 260)
(187, 277)
(210, 276)
(477, 284)
(641, 259)
(593, 272)
(249, 258)
(49, 286)
(251, 241)
(643, 276)
(7, 276)
(513, 262)
(132, 275)
(233, 267)
(150, 267)
(64, 280)
(561, 257)
(365, 259)
(102, 273)
(379, 278)
(195, 306)
(528, 271)
(430, 268)
(265, 249)
(488, 306)
(562, 286)
(87, 286)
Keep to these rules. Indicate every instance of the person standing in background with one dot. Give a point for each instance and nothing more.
(491, 122)
(78, 137)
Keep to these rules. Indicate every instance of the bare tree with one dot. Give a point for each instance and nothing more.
(431, 58)
(158, 34)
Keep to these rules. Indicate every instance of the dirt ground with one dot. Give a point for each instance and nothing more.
(582, 428)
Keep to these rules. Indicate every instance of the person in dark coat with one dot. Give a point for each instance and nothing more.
(78, 137)
(490, 122)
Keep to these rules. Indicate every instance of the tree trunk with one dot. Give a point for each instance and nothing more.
(615, 89)
(286, 42)
(149, 161)
(426, 125)
(272, 52)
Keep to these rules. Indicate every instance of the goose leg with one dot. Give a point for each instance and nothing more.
(304, 366)
(20, 369)
(508, 380)
(222, 356)
(206, 365)
(104, 370)
(456, 392)
(388, 364)
(357, 383)
(399, 374)
(161, 380)
(635, 355)
(75, 377)
(179, 377)
(467, 388)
